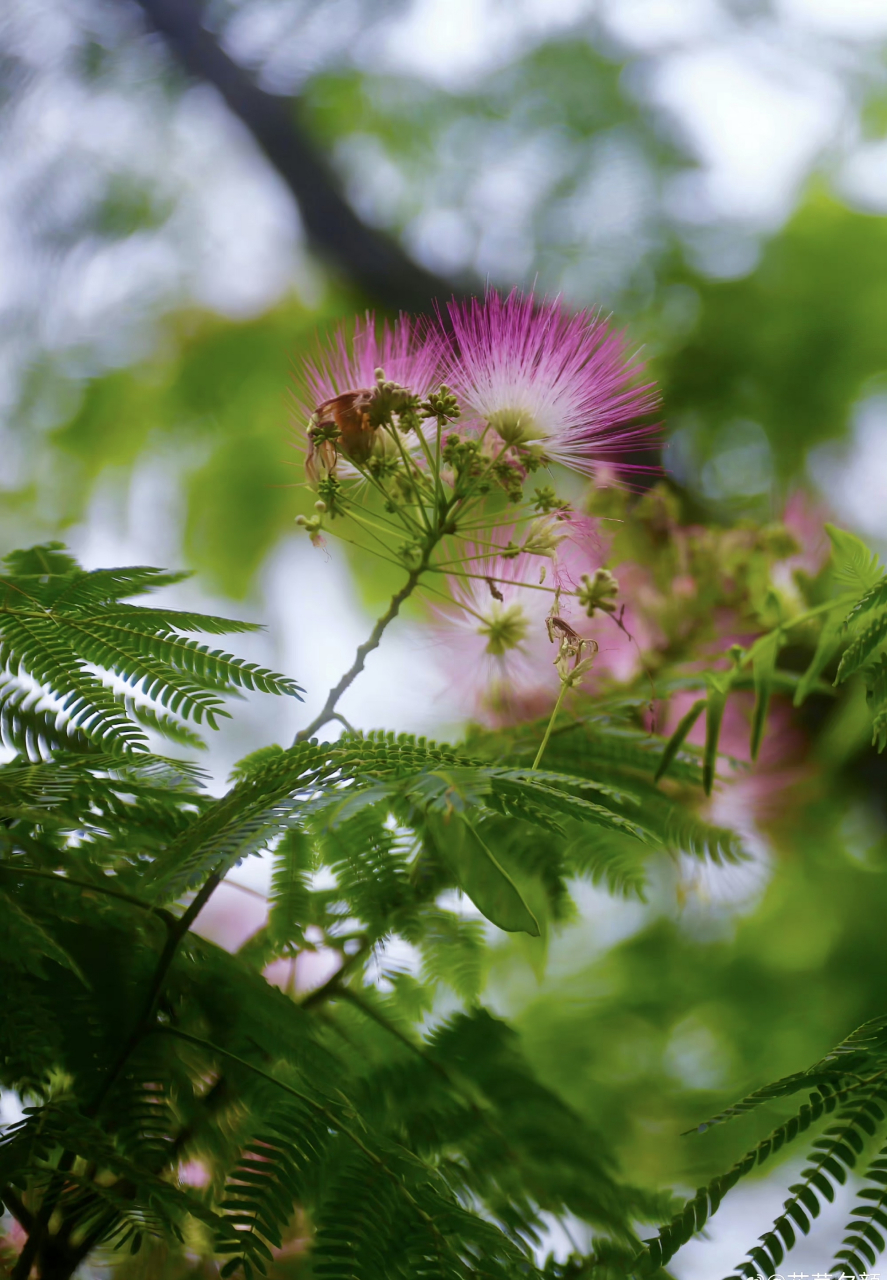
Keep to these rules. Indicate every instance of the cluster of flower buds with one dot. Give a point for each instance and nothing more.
(571, 662)
(598, 591)
(522, 383)
(425, 432)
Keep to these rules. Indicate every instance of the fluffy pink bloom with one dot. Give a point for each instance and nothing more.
(495, 636)
(336, 386)
(539, 375)
(408, 352)
(194, 1173)
(499, 651)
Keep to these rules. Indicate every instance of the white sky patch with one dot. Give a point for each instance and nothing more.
(12, 1109)
(655, 24)
(856, 19)
(393, 956)
(240, 220)
(453, 42)
(561, 1237)
(853, 475)
(312, 605)
(756, 119)
(863, 177)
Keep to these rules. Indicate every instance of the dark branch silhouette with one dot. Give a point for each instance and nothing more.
(371, 259)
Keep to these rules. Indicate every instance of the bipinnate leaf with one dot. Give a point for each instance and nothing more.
(862, 647)
(826, 645)
(27, 943)
(66, 634)
(718, 688)
(876, 697)
(866, 1230)
(290, 892)
(874, 598)
(854, 563)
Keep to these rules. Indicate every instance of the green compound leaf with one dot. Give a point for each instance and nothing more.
(854, 562)
(718, 688)
(875, 598)
(829, 638)
(865, 644)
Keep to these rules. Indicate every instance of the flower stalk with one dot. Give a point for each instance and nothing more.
(544, 743)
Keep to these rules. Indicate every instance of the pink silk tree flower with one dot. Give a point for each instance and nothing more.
(541, 376)
(805, 518)
(408, 352)
(495, 637)
(337, 384)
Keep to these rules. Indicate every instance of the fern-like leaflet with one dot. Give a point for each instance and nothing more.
(851, 1081)
(61, 628)
(145, 1046)
(846, 624)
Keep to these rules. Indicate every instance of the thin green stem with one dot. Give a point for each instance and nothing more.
(378, 520)
(365, 523)
(487, 577)
(405, 518)
(416, 477)
(164, 916)
(557, 706)
(466, 501)
(458, 604)
(438, 479)
(371, 551)
(145, 1020)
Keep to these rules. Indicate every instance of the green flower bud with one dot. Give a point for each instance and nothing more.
(598, 592)
(546, 500)
(542, 539)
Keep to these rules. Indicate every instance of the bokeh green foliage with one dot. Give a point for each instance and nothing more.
(215, 401)
(695, 1007)
(793, 345)
(553, 120)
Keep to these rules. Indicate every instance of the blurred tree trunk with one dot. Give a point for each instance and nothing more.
(370, 259)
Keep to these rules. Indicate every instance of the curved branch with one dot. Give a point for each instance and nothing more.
(373, 260)
(363, 650)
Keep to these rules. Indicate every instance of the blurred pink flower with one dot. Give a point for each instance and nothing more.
(805, 517)
(495, 635)
(747, 791)
(232, 915)
(540, 375)
(622, 638)
(305, 972)
(194, 1173)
